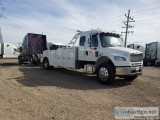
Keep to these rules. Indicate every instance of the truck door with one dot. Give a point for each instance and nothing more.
(82, 48)
(92, 48)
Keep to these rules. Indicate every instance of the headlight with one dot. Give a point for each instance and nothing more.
(118, 58)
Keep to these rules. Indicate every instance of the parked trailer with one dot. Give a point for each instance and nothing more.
(152, 53)
(100, 53)
(8, 50)
(32, 48)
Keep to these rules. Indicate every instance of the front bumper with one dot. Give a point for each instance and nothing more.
(120, 71)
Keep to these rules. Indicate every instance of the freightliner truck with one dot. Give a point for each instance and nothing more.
(98, 52)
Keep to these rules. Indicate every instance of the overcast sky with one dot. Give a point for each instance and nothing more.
(60, 19)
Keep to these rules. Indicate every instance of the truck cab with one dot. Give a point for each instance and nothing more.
(32, 48)
(8, 50)
(100, 53)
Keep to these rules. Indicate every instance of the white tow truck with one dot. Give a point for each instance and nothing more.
(98, 52)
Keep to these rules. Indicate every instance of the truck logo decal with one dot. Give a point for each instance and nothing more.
(91, 52)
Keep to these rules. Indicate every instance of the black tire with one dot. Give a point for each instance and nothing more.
(46, 64)
(20, 61)
(105, 74)
(130, 78)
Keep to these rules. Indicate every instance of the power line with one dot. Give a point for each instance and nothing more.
(148, 23)
(109, 20)
(9, 4)
(109, 23)
(4, 7)
(155, 8)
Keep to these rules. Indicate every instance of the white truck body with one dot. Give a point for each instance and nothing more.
(152, 53)
(8, 50)
(91, 54)
(63, 57)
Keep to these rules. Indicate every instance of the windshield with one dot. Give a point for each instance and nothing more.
(110, 41)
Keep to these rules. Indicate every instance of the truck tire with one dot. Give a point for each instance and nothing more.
(20, 61)
(46, 64)
(32, 60)
(105, 73)
(130, 78)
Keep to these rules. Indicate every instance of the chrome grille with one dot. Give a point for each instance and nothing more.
(136, 57)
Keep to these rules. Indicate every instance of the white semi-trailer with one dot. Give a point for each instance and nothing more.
(8, 50)
(152, 54)
(100, 53)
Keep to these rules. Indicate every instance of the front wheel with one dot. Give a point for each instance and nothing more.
(106, 73)
(130, 78)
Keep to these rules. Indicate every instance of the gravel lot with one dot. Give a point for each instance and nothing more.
(32, 93)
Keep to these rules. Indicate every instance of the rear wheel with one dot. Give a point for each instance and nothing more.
(105, 73)
(130, 78)
(46, 64)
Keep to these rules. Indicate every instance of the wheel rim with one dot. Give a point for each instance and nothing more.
(45, 63)
(103, 74)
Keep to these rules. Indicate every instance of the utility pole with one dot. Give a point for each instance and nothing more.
(126, 23)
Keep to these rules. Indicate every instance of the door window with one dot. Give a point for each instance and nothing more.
(82, 41)
(94, 41)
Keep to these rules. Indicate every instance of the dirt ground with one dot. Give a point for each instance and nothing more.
(32, 93)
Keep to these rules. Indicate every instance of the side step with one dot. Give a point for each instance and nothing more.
(89, 68)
